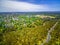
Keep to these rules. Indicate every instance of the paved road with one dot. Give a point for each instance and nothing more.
(48, 35)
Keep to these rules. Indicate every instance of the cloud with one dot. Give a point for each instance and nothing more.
(15, 6)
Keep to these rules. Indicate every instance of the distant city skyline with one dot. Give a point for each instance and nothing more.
(29, 5)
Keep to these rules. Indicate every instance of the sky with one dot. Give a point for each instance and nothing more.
(29, 5)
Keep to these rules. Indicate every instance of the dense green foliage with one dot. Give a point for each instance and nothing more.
(55, 36)
(27, 30)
